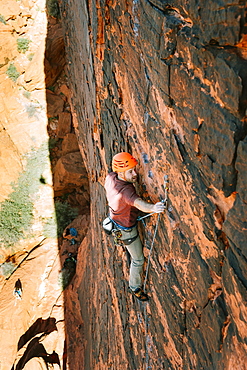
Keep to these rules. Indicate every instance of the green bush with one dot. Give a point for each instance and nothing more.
(15, 217)
(22, 45)
(12, 72)
(16, 212)
(53, 8)
(2, 19)
(27, 94)
(64, 215)
(67, 272)
(30, 56)
(33, 109)
(7, 268)
(51, 88)
(53, 142)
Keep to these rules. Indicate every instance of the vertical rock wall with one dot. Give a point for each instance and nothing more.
(39, 161)
(168, 82)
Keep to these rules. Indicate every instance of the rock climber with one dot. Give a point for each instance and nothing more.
(71, 234)
(18, 289)
(124, 206)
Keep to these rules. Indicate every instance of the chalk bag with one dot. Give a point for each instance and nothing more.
(108, 225)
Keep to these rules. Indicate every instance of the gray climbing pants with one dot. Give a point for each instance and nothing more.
(135, 250)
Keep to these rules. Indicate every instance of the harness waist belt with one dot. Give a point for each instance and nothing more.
(130, 240)
(124, 228)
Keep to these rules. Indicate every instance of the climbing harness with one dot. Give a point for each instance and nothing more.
(114, 229)
(117, 235)
(118, 242)
(107, 225)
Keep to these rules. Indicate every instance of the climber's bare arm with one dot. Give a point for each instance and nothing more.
(149, 207)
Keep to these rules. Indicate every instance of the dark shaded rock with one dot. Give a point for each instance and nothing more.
(55, 104)
(241, 167)
(64, 126)
(69, 174)
(55, 54)
(70, 144)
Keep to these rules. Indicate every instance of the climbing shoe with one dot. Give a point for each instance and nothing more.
(139, 294)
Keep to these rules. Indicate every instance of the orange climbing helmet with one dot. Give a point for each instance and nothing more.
(123, 161)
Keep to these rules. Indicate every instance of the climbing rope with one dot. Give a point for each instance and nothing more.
(146, 318)
(156, 228)
(141, 218)
(150, 252)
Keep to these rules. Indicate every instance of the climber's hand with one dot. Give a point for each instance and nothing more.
(158, 207)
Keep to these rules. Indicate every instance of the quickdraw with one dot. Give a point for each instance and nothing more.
(117, 238)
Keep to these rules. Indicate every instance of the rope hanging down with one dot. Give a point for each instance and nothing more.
(155, 230)
(147, 338)
(150, 252)
(146, 319)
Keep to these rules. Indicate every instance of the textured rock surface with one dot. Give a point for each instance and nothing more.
(69, 174)
(35, 264)
(33, 327)
(168, 81)
(70, 144)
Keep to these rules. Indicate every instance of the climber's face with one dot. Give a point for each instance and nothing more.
(131, 175)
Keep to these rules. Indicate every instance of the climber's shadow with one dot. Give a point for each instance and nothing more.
(35, 348)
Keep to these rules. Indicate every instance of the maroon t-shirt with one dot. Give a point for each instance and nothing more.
(121, 196)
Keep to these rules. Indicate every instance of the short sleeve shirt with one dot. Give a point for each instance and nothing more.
(121, 196)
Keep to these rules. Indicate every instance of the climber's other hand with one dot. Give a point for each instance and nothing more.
(159, 207)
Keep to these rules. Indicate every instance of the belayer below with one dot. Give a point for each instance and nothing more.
(124, 205)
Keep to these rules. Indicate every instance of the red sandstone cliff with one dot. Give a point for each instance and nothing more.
(166, 80)
(43, 184)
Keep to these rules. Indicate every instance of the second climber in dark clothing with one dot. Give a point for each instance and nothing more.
(124, 205)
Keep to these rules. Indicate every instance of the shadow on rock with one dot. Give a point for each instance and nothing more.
(34, 347)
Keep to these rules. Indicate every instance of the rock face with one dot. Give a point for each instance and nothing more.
(166, 80)
(69, 173)
(37, 140)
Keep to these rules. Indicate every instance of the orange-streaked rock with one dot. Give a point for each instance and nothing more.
(167, 84)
